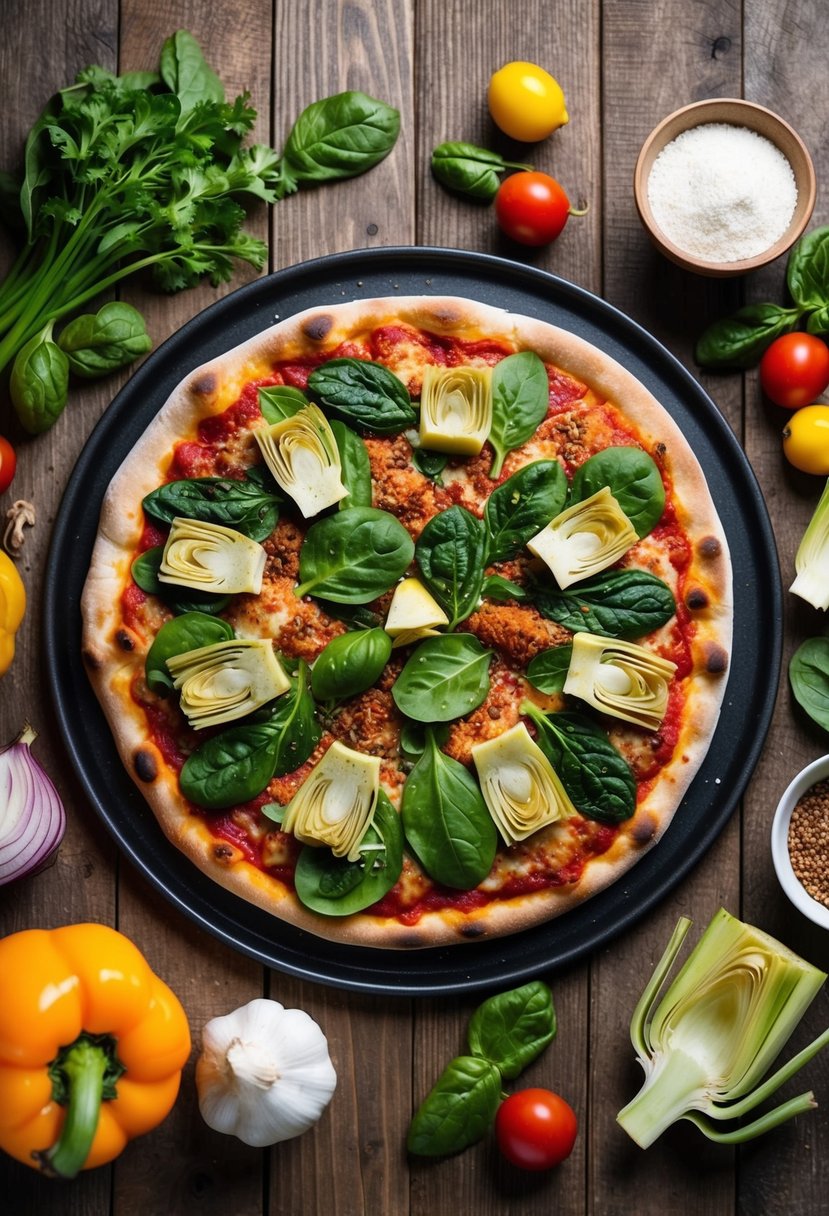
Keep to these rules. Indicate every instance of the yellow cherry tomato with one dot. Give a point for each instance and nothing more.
(526, 102)
(806, 439)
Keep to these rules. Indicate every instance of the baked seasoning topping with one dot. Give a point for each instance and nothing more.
(809, 842)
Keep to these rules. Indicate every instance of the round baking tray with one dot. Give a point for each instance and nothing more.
(752, 681)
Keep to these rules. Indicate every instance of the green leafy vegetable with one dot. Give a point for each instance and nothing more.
(338, 137)
(614, 604)
(39, 384)
(280, 401)
(496, 587)
(446, 821)
(513, 1028)
(633, 479)
(807, 270)
(521, 506)
(430, 464)
(520, 400)
(470, 170)
(186, 74)
(444, 678)
(241, 504)
(451, 552)
(353, 556)
(809, 678)
(99, 343)
(350, 664)
(547, 671)
(182, 633)
(178, 599)
(355, 465)
(365, 393)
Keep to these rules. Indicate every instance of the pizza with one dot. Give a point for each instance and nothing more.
(411, 620)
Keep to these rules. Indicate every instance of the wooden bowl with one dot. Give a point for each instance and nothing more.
(735, 113)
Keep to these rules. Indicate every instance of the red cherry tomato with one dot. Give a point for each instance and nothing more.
(531, 208)
(535, 1129)
(795, 370)
(8, 463)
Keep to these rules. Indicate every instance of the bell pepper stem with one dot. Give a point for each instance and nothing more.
(84, 1066)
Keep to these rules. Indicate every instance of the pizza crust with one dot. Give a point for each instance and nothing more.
(113, 657)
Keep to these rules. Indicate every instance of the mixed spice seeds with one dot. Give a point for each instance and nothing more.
(809, 842)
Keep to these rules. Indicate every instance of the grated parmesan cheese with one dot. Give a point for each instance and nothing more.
(721, 192)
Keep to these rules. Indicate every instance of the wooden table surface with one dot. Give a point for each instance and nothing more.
(623, 66)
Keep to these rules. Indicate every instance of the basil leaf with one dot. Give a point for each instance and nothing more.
(39, 383)
(350, 664)
(739, 341)
(547, 671)
(353, 556)
(633, 479)
(339, 137)
(807, 272)
(446, 821)
(450, 552)
(185, 72)
(458, 1110)
(365, 393)
(596, 776)
(355, 465)
(99, 343)
(512, 1028)
(334, 886)
(809, 678)
(469, 169)
(244, 505)
(444, 678)
(182, 633)
(520, 507)
(520, 400)
(178, 599)
(818, 322)
(614, 604)
(496, 587)
(280, 401)
(430, 464)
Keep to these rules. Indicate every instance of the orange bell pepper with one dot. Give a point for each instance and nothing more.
(92, 1045)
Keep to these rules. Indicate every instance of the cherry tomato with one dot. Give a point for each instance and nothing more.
(8, 463)
(794, 370)
(535, 1129)
(806, 439)
(526, 102)
(531, 208)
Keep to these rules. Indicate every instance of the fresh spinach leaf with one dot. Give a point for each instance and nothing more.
(521, 506)
(614, 604)
(186, 632)
(739, 341)
(39, 382)
(356, 466)
(335, 886)
(633, 479)
(809, 678)
(353, 556)
(470, 170)
(178, 599)
(444, 678)
(520, 400)
(807, 272)
(293, 720)
(339, 137)
(547, 671)
(99, 343)
(185, 73)
(458, 1110)
(446, 821)
(365, 393)
(350, 664)
(451, 553)
(496, 587)
(430, 464)
(241, 504)
(596, 776)
(512, 1028)
(280, 401)
(414, 738)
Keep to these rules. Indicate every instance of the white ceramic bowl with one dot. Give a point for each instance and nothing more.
(818, 770)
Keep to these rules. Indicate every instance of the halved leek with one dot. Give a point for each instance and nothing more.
(303, 456)
(335, 804)
(811, 561)
(211, 557)
(586, 538)
(226, 680)
(455, 409)
(619, 678)
(707, 1044)
(521, 788)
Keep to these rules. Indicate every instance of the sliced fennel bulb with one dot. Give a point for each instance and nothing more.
(811, 561)
(707, 1044)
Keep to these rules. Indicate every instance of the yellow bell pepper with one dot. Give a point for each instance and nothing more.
(92, 1045)
(12, 607)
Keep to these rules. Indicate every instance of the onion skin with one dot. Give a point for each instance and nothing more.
(32, 816)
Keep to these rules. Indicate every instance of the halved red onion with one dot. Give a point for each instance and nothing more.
(32, 818)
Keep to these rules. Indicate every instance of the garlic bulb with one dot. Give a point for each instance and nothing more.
(264, 1073)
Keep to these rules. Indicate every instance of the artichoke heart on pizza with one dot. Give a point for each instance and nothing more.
(303, 456)
(211, 557)
(335, 805)
(455, 409)
(226, 680)
(521, 788)
(413, 613)
(620, 678)
(585, 538)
